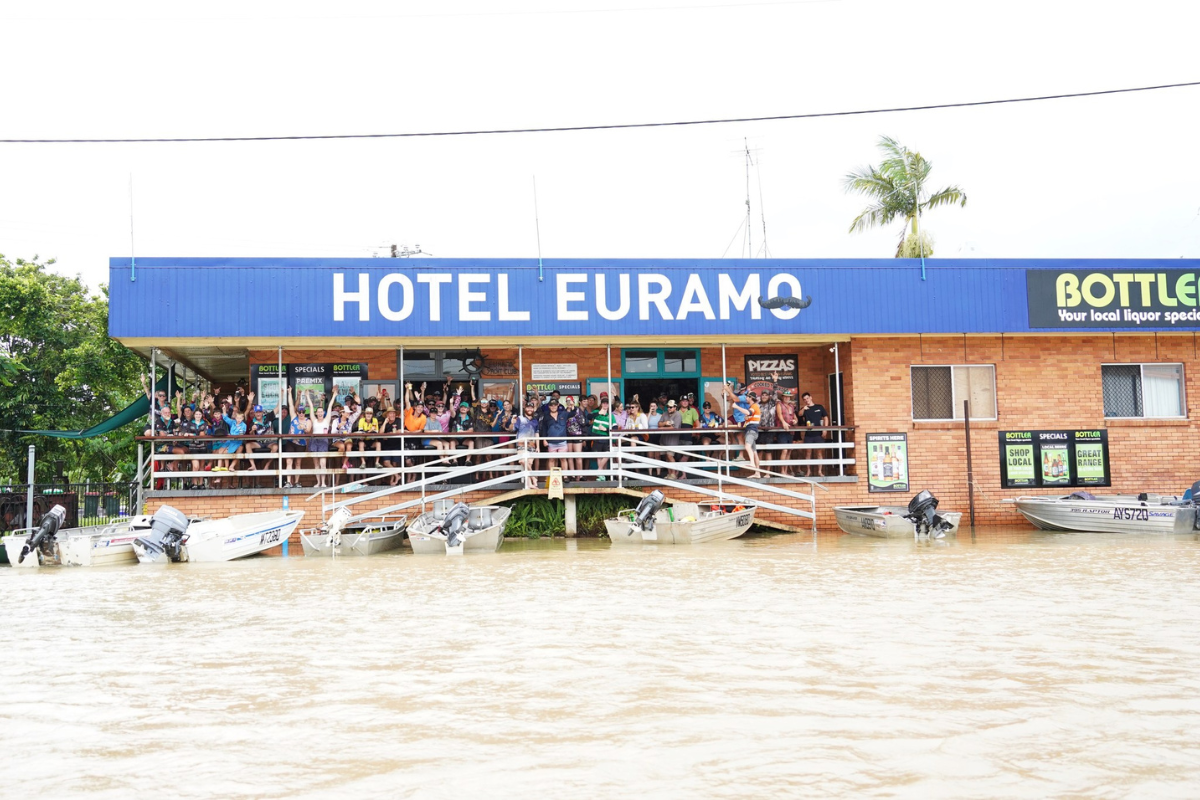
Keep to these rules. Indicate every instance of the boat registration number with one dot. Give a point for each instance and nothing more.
(744, 519)
(866, 523)
(1139, 514)
(271, 537)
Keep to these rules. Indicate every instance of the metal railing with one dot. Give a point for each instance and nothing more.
(85, 503)
(411, 459)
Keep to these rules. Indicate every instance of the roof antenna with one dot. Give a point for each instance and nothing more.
(132, 257)
(749, 237)
(537, 226)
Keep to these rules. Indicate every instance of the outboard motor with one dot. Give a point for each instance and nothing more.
(164, 542)
(643, 517)
(1187, 520)
(454, 525)
(43, 537)
(333, 527)
(922, 512)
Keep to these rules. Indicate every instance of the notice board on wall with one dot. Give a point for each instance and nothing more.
(1071, 458)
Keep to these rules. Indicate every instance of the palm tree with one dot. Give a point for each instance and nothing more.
(897, 187)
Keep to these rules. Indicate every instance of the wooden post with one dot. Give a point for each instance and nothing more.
(970, 471)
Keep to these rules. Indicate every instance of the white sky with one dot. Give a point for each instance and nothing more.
(1112, 176)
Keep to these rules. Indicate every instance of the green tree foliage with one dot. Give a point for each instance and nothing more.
(62, 372)
(897, 189)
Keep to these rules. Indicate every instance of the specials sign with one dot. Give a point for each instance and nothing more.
(1029, 459)
(1113, 299)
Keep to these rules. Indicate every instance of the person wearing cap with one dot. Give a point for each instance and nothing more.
(767, 423)
(746, 408)
(366, 428)
(258, 425)
(297, 425)
(709, 420)
(553, 428)
(671, 420)
(526, 426)
(689, 420)
(577, 418)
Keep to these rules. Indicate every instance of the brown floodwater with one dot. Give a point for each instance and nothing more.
(1013, 663)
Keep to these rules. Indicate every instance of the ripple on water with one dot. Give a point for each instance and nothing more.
(1014, 662)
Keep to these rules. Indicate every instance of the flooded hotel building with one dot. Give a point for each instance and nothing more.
(1076, 374)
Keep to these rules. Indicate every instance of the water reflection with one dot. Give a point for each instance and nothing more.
(1014, 662)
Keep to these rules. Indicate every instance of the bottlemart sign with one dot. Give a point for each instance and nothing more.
(1113, 299)
(1029, 459)
(887, 453)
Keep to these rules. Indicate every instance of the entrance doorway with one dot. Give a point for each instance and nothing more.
(651, 374)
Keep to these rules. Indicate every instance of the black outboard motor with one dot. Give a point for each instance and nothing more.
(455, 524)
(643, 517)
(43, 537)
(1186, 518)
(922, 512)
(164, 542)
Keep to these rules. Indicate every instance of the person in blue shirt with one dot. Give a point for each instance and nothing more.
(237, 427)
(709, 420)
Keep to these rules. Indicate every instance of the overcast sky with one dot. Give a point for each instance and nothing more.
(1113, 176)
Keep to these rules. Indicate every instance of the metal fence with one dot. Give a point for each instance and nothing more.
(85, 503)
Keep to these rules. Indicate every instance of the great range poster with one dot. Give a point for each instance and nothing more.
(887, 455)
(1054, 458)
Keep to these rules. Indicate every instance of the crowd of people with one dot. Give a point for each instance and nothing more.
(352, 435)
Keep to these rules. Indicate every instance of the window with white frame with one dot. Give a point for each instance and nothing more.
(938, 392)
(1143, 390)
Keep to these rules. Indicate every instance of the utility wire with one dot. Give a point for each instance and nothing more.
(615, 126)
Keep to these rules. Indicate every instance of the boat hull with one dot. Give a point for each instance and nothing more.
(702, 528)
(93, 546)
(1112, 514)
(362, 543)
(425, 539)
(13, 544)
(886, 522)
(227, 539)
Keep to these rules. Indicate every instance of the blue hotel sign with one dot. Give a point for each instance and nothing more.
(389, 298)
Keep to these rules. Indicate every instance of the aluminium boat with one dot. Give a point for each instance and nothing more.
(90, 546)
(176, 538)
(919, 518)
(335, 539)
(1115, 513)
(681, 523)
(456, 528)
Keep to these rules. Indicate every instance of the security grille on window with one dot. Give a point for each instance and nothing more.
(1143, 390)
(938, 392)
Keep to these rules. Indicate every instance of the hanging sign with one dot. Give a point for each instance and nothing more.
(887, 454)
(266, 383)
(762, 372)
(546, 388)
(1054, 458)
(347, 380)
(554, 372)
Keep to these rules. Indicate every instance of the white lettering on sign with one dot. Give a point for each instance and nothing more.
(466, 297)
(507, 315)
(435, 282)
(554, 372)
(728, 295)
(385, 305)
(771, 365)
(602, 298)
(695, 299)
(566, 296)
(658, 298)
(341, 297)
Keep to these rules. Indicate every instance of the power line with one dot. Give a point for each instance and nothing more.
(614, 126)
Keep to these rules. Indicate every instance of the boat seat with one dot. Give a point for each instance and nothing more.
(480, 518)
(681, 510)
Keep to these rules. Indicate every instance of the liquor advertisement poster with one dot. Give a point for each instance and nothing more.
(1054, 458)
(887, 454)
(1016, 451)
(347, 380)
(309, 378)
(267, 384)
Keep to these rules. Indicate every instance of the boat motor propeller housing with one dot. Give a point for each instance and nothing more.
(164, 542)
(643, 517)
(454, 524)
(333, 527)
(1187, 520)
(922, 512)
(43, 537)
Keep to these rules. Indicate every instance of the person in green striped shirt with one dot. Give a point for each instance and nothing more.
(601, 421)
